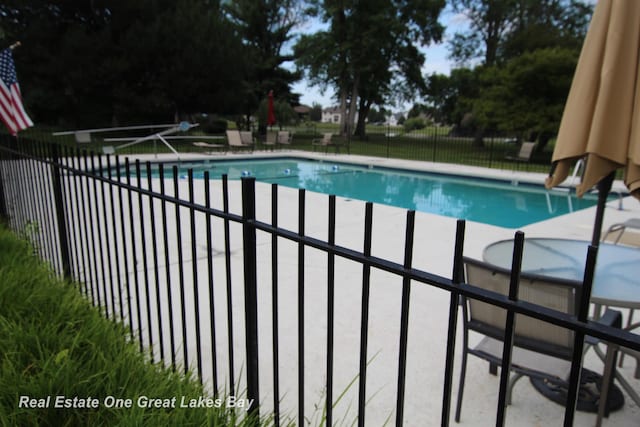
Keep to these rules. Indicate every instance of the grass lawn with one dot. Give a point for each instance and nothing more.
(54, 343)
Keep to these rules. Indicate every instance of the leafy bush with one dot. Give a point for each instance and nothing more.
(414, 123)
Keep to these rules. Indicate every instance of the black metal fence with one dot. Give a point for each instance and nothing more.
(432, 144)
(201, 280)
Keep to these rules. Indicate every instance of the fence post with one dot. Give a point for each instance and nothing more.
(60, 215)
(250, 292)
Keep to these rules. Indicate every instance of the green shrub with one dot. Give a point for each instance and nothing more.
(414, 123)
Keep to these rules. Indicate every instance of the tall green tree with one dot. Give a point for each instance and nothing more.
(266, 27)
(515, 39)
(526, 97)
(95, 62)
(369, 52)
(503, 29)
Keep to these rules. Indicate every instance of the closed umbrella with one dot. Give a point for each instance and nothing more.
(601, 120)
(271, 114)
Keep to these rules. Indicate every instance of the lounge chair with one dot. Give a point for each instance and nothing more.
(284, 137)
(247, 138)
(541, 350)
(207, 147)
(235, 141)
(325, 142)
(524, 155)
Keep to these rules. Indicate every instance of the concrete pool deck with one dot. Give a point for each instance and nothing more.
(433, 249)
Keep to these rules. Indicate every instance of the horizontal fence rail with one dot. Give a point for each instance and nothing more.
(199, 271)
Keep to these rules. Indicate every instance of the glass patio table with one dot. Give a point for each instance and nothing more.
(616, 280)
(617, 275)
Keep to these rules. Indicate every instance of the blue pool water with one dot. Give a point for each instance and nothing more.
(482, 200)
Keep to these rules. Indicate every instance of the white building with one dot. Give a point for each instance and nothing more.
(331, 115)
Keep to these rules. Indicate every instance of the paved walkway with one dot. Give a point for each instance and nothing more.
(429, 307)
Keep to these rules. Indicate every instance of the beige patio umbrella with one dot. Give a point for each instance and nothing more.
(601, 119)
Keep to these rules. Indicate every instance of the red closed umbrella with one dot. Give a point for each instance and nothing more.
(271, 114)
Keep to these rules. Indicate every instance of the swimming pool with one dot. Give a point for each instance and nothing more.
(487, 201)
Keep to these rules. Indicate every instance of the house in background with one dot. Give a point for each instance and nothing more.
(331, 115)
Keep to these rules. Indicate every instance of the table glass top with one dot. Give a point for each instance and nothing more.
(617, 276)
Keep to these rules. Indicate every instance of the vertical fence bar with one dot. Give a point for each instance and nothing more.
(134, 255)
(4, 213)
(183, 314)
(404, 317)
(250, 292)
(364, 320)
(114, 225)
(301, 228)
(194, 264)
(33, 206)
(41, 215)
(90, 233)
(212, 305)
(457, 275)
(578, 344)
(145, 266)
(60, 215)
(274, 307)
(48, 205)
(156, 269)
(125, 253)
(47, 211)
(72, 215)
(330, 308)
(165, 240)
(227, 263)
(509, 329)
(80, 237)
(98, 236)
(108, 240)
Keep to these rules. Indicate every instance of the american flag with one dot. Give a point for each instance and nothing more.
(11, 108)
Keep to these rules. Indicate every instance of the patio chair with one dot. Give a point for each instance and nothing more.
(626, 233)
(541, 350)
(524, 155)
(234, 139)
(271, 139)
(285, 137)
(326, 142)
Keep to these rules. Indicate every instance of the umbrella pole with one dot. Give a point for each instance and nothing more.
(604, 186)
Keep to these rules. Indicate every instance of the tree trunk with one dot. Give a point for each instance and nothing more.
(478, 138)
(353, 106)
(363, 112)
(343, 112)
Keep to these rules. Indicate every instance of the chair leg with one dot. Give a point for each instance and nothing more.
(629, 323)
(463, 372)
(607, 382)
(512, 382)
(493, 368)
